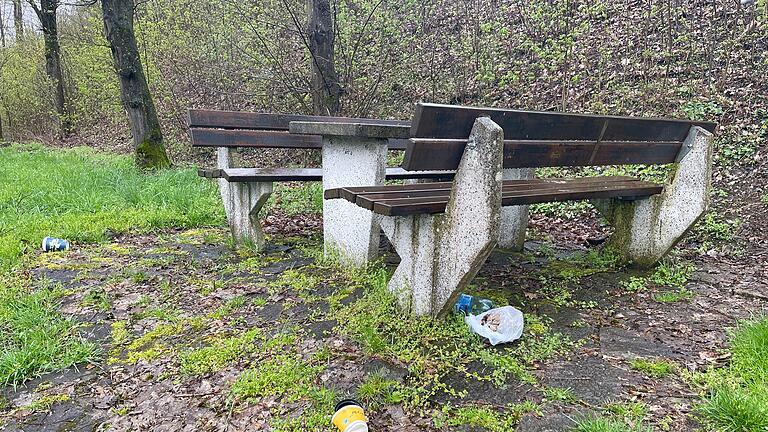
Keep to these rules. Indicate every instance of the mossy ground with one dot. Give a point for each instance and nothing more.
(194, 333)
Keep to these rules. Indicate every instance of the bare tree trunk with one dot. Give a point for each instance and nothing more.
(46, 12)
(18, 19)
(326, 90)
(2, 30)
(134, 91)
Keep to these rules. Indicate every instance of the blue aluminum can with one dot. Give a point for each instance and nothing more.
(53, 244)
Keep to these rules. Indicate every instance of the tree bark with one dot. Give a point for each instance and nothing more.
(134, 90)
(326, 90)
(18, 20)
(2, 28)
(46, 12)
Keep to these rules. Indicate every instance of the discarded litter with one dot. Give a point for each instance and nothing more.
(350, 416)
(472, 305)
(500, 325)
(53, 244)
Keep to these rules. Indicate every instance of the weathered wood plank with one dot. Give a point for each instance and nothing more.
(448, 121)
(446, 153)
(244, 175)
(253, 138)
(265, 139)
(350, 193)
(409, 206)
(266, 121)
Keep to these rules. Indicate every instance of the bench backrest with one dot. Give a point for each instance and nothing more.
(545, 139)
(265, 130)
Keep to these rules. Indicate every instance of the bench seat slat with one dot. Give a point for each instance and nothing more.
(243, 175)
(350, 193)
(367, 201)
(401, 200)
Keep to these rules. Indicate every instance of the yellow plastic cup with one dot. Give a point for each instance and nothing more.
(350, 417)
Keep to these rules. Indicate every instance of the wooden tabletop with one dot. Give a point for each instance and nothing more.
(351, 129)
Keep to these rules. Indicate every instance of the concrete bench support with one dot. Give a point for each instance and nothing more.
(348, 230)
(647, 229)
(514, 219)
(242, 203)
(440, 254)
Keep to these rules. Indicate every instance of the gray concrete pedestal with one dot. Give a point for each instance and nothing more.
(351, 233)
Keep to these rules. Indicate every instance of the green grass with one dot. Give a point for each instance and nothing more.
(653, 368)
(80, 195)
(302, 198)
(674, 296)
(219, 354)
(35, 338)
(284, 376)
(604, 424)
(738, 394)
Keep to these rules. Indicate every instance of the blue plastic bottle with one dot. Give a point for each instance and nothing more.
(472, 305)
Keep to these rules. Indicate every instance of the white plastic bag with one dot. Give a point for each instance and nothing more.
(509, 328)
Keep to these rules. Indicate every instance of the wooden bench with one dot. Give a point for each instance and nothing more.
(244, 191)
(444, 231)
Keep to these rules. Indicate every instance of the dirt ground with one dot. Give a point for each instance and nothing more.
(148, 281)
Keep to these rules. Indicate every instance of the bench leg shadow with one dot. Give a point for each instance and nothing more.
(440, 254)
(647, 229)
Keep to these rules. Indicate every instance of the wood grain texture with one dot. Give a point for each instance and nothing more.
(245, 175)
(266, 121)
(430, 198)
(423, 153)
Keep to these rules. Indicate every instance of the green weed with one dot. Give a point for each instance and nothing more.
(560, 394)
(653, 368)
(634, 412)
(682, 294)
(714, 229)
(634, 284)
(45, 403)
(376, 391)
(97, 298)
(36, 339)
(220, 353)
(738, 394)
(603, 424)
(672, 274)
(283, 376)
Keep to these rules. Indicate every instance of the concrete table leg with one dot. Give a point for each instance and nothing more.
(514, 219)
(351, 233)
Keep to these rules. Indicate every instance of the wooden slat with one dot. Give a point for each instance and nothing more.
(431, 154)
(209, 173)
(349, 193)
(449, 121)
(253, 138)
(368, 200)
(410, 206)
(265, 139)
(265, 121)
(242, 175)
